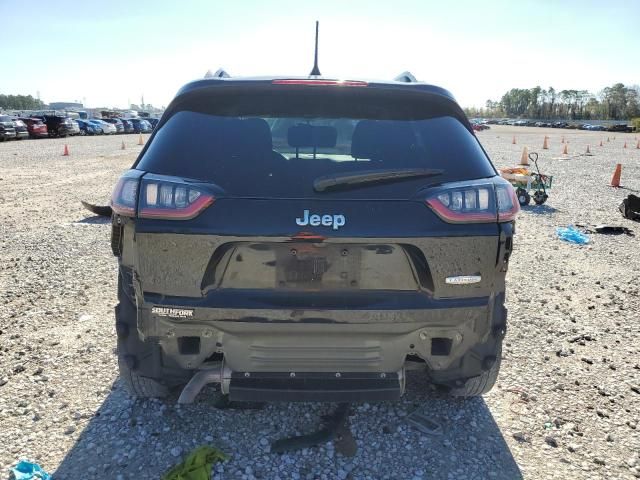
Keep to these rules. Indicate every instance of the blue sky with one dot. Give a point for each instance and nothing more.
(110, 52)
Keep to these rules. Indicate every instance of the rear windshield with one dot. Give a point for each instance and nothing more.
(247, 150)
(4, 118)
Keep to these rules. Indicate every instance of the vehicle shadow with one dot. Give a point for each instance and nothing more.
(539, 209)
(95, 220)
(140, 439)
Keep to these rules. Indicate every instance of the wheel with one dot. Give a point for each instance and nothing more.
(482, 384)
(540, 197)
(523, 197)
(139, 386)
(132, 351)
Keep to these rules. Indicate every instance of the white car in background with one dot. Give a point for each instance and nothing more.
(107, 128)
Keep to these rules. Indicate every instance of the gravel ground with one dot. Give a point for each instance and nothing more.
(567, 402)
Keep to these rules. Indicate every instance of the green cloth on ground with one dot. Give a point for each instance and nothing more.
(197, 465)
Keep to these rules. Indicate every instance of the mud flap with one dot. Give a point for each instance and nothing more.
(101, 210)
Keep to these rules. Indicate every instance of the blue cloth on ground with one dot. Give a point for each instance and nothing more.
(571, 235)
(26, 470)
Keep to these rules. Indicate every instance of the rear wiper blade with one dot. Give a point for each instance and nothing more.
(327, 182)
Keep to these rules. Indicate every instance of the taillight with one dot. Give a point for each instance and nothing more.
(158, 196)
(125, 195)
(475, 202)
(173, 199)
(508, 205)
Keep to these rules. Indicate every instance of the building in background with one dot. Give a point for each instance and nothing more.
(64, 105)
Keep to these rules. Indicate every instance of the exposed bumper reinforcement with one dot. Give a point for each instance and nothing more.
(316, 387)
(216, 373)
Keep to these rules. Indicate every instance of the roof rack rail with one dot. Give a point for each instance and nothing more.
(406, 77)
(220, 73)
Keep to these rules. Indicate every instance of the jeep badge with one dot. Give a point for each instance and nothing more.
(315, 220)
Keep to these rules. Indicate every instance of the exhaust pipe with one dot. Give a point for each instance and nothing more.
(215, 373)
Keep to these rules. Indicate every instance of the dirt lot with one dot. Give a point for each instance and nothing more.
(567, 403)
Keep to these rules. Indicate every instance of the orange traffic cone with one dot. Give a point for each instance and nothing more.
(638, 145)
(140, 142)
(545, 144)
(565, 150)
(66, 151)
(123, 146)
(615, 180)
(524, 159)
(625, 145)
(588, 152)
(514, 140)
(600, 142)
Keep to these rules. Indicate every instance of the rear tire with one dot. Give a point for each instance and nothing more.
(139, 386)
(480, 385)
(131, 347)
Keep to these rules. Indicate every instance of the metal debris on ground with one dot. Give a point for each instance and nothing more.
(424, 424)
(606, 229)
(630, 207)
(336, 428)
(613, 230)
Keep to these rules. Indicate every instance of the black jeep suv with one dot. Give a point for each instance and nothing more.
(310, 240)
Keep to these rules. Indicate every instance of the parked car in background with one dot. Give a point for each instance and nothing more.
(35, 127)
(105, 127)
(116, 122)
(620, 127)
(7, 128)
(598, 128)
(57, 125)
(88, 128)
(75, 128)
(140, 125)
(21, 129)
(153, 121)
(128, 126)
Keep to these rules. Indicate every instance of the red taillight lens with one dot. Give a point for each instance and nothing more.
(465, 204)
(171, 200)
(124, 197)
(508, 205)
(475, 202)
(343, 83)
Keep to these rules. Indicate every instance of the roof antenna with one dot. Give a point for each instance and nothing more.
(316, 70)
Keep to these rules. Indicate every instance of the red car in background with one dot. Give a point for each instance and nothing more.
(36, 127)
(478, 127)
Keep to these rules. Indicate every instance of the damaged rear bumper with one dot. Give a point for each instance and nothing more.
(254, 340)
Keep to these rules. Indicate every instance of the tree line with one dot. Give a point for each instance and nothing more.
(617, 102)
(20, 102)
